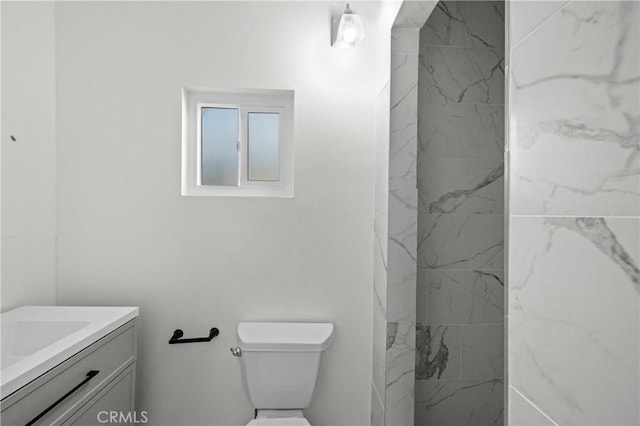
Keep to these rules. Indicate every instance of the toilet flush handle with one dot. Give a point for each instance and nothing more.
(236, 351)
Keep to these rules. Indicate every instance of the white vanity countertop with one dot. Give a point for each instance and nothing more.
(37, 338)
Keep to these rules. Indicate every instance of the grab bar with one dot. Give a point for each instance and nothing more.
(176, 338)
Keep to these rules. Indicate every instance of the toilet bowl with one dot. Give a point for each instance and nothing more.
(279, 362)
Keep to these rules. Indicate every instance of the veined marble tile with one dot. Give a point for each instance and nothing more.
(379, 269)
(401, 297)
(465, 24)
(485, 23)
(401, 270)
(460, 241)
(377, 410)
(459, 402)
(454, 186)
(400, 374)
(521, 413)
(462, 75)
(381, 234)
(405, 41)
(574, 308)
(422, 300)
(403, 209)
(437, 352)
(379, 350)
(526, 15)
(454, 130)
(575, 113)
(482, 351)
(413, 14)
(403, 145)
(463, 297)
(445, 26)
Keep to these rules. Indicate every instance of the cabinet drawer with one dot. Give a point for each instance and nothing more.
(109, 356)
(116, 397)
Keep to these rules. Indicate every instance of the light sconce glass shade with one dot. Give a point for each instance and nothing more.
(348, 30)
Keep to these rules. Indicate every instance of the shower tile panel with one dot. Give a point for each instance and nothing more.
(403, 143)
(459, 402)
(377, 409)
(462, 75)
(379, 341)
(522, 413)
(413, 14)
(576, 114)
(400, 369)
(402, 254)
(473, 242)
(401, 297)
(437, 352)
(466, 24)
(463, 297)
(421, 296)
(380, 223)
(482, 351)
(527, 15)
(379, 271)
(485, 25)
(576, 354)
(455, 186)
(460, 215)
(452, 130)
(404, 40)
(446, 26)
(403, 205)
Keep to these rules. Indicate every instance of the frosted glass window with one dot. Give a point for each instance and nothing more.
(219, 150)
(262, 144)
(237, 143)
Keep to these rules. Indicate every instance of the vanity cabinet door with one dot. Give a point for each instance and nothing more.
(112, 405)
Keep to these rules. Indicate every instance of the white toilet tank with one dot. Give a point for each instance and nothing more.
(280, 361)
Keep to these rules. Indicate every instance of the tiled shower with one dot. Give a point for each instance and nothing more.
(438, 352)
(460, 177)
(567, 81)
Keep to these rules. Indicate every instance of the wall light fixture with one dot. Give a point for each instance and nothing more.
(347, 31)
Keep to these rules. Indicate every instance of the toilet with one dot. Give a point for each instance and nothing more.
(279, 362)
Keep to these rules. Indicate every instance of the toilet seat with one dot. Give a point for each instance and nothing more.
(282, 421)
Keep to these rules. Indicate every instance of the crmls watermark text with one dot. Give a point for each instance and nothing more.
(129, 417)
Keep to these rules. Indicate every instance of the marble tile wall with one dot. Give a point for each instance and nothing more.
(574, 225)
(395, 245)
(460, 175)
(395, 226)
(402, 229)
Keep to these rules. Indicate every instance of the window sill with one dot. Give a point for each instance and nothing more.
(221, 191)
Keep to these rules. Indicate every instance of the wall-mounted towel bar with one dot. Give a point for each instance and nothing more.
(176, 338)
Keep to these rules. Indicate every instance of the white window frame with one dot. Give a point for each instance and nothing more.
(245, 101)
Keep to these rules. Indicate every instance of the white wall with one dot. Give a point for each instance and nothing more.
(28, 165)
(127, 237)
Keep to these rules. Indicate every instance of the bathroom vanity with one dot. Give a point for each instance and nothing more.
(67, 365)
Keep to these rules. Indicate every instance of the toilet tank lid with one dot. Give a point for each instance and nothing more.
(284, 336)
